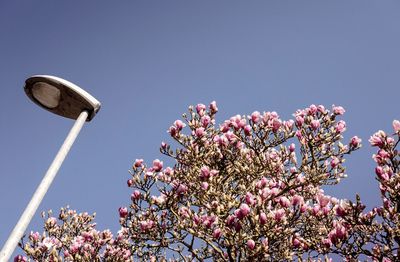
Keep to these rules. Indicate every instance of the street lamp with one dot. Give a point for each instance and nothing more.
(65, 99)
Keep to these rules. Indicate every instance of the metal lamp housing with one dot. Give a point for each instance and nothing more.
(60, 96)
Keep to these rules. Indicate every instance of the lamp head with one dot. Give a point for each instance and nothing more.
(60, 96)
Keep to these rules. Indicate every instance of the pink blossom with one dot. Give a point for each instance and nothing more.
(264, 193)
(135, 195)
(381, 157)
(299, 121)
(74, 248)
(263, 218)
(255, 117)
(247, 130)
(326, 210)
(338, 110)
(205, 120)
(279, 215)
(224, 127)
(160, 199)
(20, 258)
(217, 233)
(265, 243)
(315, 210)
(230, 220)
(380, 172)
(276, 124)
(209, 221)
(396, 126)
(184, 212)
(243, 211)
(292, 147)
(204, 185)
(138, 163)
(129, 182)
(303, 208)
(146, 225)
(383, 154)
(230, 136)
(181, 189)
(340, 126)
(123, 212)
(250, 200)
(296, 242)
(313, 109)
(284, 201)
(199, 132)
(196, 219)
(315, 124)
(339, 232)
(251, 244)
(173, 131)
(288, 124)
(204, 172)
(179, 125)
(34, 236)
(341, 208)
(237, 122)
(264, 181)
(299, 136)
(326, 242)
(355, 141)
(323, 200)
(377, 139)
(213, 107)
(157, 165)
(297, 200)
(274, 115)
(148, 174)
(334, 162)
(200, 108)
(274, 191)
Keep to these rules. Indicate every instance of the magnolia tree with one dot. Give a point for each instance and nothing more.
(247, 189)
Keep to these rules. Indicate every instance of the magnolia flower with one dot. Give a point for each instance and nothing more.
(338, 110)
(315, 124)
(355, 141)
(217, 233)
(251, 244)
(138, 163)
(213, 107)
(396, 126)
(262, 218)
(123, 212)
(340, 126)
(255, 117)
(199, 132)
(200, 108)
(377, 139)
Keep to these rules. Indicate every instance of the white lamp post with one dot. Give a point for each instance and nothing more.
(65, 99)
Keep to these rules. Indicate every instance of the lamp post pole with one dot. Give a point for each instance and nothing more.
(41, 190)
(65, 99)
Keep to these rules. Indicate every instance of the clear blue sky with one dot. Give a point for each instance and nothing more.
(146, 61)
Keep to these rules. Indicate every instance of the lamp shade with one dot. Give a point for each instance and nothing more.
(60, 96)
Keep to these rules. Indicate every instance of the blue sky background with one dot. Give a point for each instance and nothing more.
(146, 61)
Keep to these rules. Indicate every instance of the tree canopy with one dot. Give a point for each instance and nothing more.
(250, 188)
